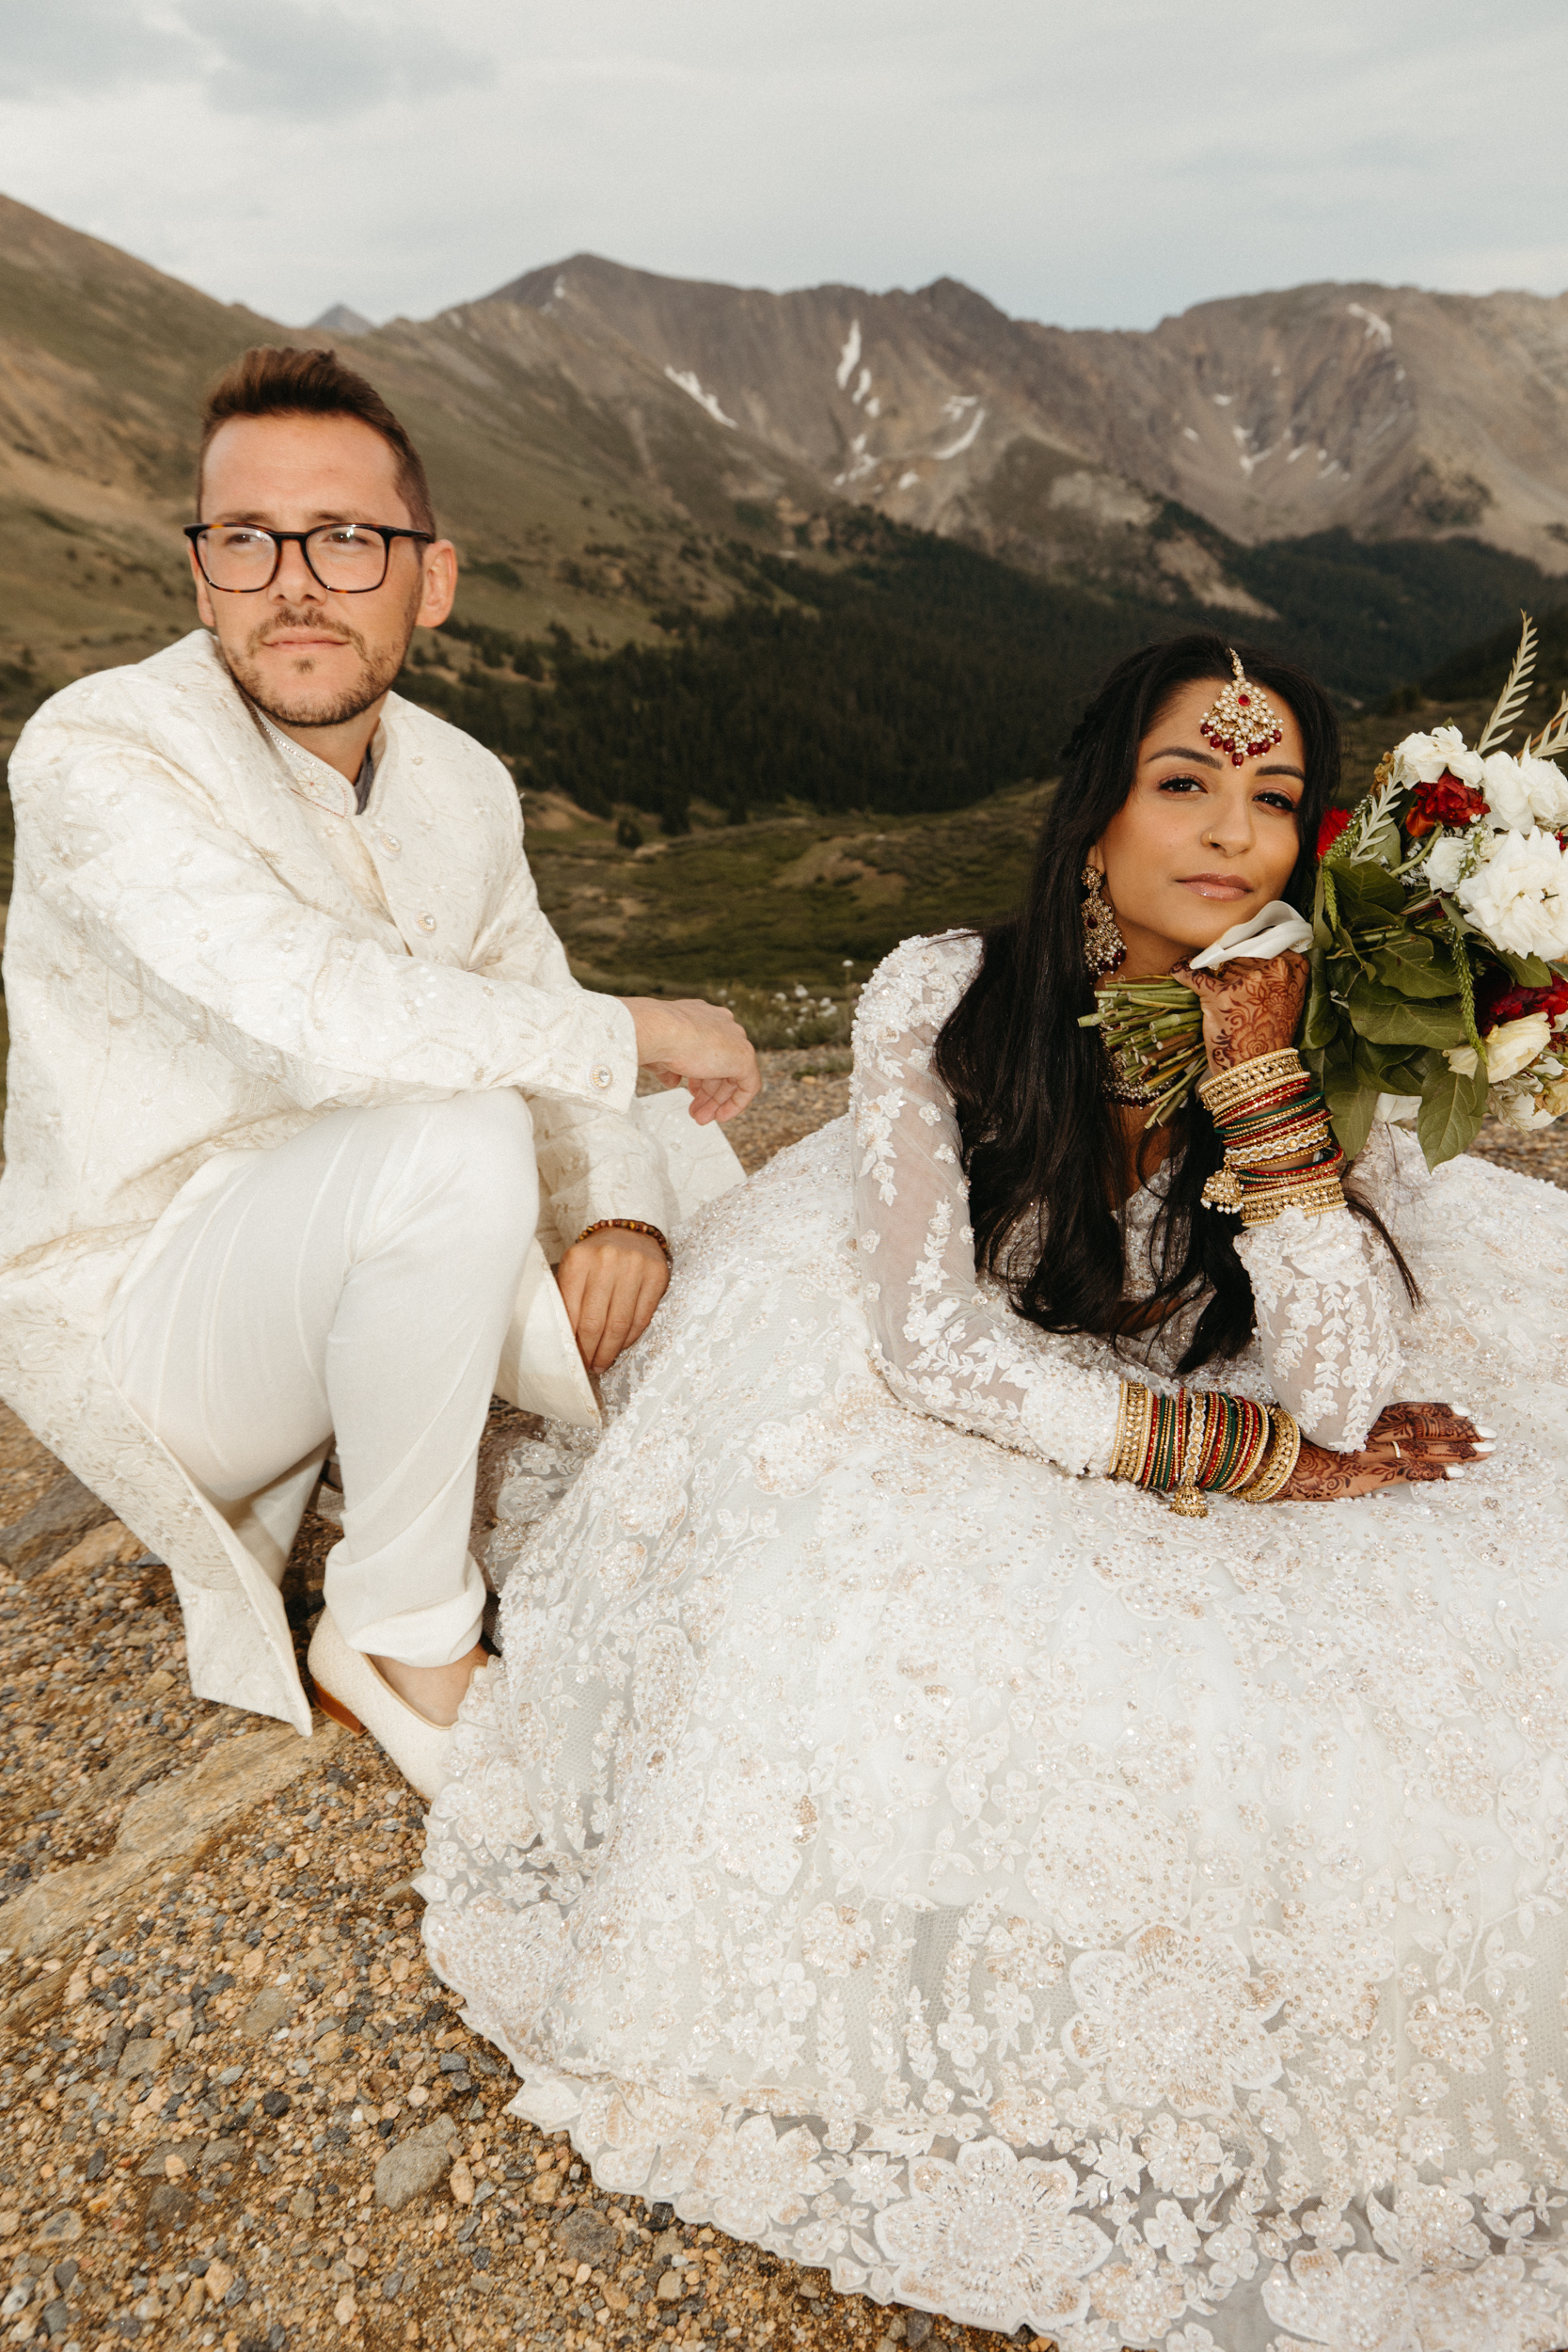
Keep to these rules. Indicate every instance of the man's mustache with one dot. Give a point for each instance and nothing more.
(285, 620)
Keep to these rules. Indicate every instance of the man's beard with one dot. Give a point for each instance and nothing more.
(377, 671)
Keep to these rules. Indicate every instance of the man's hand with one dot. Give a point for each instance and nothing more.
(610, 1283)
(1251, 1006)
(688, 1042)
(1410, 1445)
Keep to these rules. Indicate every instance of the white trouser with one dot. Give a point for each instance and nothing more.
(356, 1282)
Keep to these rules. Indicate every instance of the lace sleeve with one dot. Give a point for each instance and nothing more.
(947, 1343)
(1326, 1292)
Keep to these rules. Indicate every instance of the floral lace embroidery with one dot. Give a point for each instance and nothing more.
(1029, 1905)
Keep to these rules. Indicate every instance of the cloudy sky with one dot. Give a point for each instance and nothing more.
(1092, 162)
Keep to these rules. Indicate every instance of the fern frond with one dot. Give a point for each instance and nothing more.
(1553, 737)
(1367, 817)
(1515, 692)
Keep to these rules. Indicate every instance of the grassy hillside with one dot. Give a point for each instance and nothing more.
(795, 898)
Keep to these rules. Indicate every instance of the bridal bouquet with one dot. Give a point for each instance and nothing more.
(1439, 945)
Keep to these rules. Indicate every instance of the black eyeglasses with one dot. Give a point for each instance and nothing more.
(350, 559)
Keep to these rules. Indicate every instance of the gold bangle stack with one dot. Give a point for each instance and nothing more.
(1276, 1472)
(1227, 1090)
(1134, 1412)
(1279, 1148)
(1195, 1442)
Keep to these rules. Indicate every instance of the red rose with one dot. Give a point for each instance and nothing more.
(1332, 827)
(1444, 801)
(1499, 997)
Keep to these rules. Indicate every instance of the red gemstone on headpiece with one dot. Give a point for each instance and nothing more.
(1236, 760)
(1243, 700)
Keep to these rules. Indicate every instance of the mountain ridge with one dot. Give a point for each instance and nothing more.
(1417, 414)
(628, 457)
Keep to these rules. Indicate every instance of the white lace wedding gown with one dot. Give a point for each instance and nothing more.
(892, 1841)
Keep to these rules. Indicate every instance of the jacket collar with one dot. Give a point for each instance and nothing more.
(310, 777)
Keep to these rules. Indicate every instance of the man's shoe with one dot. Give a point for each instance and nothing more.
(357, 1696)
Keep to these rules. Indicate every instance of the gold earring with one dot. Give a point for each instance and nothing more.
(1103, 945)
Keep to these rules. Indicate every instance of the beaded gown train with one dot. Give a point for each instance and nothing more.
(892, 1841)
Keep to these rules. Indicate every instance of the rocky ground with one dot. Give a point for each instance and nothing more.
(238, 2109)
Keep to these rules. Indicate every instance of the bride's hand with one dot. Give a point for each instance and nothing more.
(1410, 1444)
(1250, 1007)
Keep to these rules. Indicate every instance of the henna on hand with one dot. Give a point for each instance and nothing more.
(1409, 1445)
(1250, 1006)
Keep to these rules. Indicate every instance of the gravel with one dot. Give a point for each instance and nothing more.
(236, 2110)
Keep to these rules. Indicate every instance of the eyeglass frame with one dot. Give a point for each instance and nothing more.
(195, 533)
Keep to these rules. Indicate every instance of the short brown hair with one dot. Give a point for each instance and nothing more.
(274, 381)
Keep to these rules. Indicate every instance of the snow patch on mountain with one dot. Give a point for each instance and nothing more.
(690, 383)
(965, 440)
(1378, 330)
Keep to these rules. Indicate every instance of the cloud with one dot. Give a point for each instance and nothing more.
(315, 59)
(307, 58)
(1093, 166)
(75, 46)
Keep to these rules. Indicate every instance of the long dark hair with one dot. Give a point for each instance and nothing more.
(1043, 1149)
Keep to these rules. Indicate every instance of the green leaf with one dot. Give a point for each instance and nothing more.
(1410, 1072)
(1351, 1112)
(1367, 895)
(1349, 1103)
(1451, 1111)
(1385, 1017)
(1414, 966)
(1321, 1018)
(1527, 971)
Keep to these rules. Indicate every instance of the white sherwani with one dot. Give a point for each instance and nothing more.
(207, 950)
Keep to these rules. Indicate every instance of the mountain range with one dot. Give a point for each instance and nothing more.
(1375, 475)
(1385, 411)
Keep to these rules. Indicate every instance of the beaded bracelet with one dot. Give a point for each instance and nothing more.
(627, 1225)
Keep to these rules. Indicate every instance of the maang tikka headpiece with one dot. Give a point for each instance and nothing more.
(1241, 720)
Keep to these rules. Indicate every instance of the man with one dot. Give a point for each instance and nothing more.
(297, 1073)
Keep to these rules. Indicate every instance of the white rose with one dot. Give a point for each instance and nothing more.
(1419, 759)
(1547, 787)
(1508, 800)
(1512, 1045)
(1422, 759)
(1516, 1107)
(1446, 859)
(1519, 898)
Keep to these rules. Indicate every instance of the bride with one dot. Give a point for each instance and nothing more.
(956, 1804)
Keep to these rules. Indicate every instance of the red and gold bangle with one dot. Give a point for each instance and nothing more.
(1230, 1090)
(627, 1225)
(1197, 1441)
(1284, 1434)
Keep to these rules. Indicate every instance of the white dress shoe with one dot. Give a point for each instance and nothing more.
(357, 1696)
